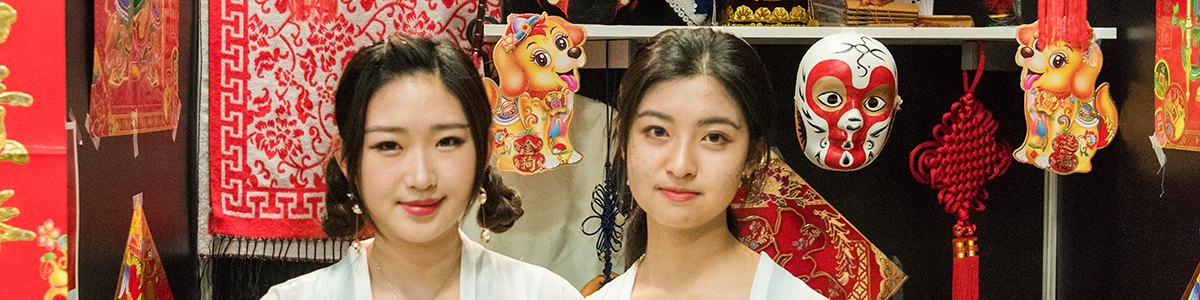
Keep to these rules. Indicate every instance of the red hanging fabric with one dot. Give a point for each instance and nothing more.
(1064, 20)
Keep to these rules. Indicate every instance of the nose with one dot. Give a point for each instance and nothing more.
(1026, 52)
(574, 52)
(421, 176)
(683, 164)
(851, 121)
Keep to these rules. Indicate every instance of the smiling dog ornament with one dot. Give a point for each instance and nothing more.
(846, 98)
(1067, 116)
(538, 60)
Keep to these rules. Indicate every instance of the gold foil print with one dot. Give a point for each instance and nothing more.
(8, 232)
(10, 150)
(7, 17)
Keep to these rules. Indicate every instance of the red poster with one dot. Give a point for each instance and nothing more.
(1176, 71)
(135, 86)
(35, 239)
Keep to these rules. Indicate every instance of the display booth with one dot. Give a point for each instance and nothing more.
(166, 149)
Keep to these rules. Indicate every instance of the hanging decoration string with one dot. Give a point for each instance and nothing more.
(606, 208)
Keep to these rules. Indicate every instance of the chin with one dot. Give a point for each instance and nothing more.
(420, 233)
(683, 217)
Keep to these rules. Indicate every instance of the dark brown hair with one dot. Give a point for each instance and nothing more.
(682, 53)
(370, 69)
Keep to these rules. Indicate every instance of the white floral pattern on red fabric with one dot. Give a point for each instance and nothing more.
(274, 65)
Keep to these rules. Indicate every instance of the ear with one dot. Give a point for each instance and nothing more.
(755, 158)
(491, 89)
(577, 33)
(1026, 34)
(335, 151)
(1084, 82)
(511, 73)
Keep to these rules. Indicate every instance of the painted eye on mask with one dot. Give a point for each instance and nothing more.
(1058, 60)
(830, 99)
(541, 57)
(560, 41)
(874, 103)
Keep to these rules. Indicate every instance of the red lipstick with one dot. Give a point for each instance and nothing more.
(678, 194)
(423, 207)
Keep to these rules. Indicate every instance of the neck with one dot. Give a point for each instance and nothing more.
(415, 270)
(692, 256)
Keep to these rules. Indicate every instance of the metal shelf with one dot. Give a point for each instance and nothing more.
(809, 35)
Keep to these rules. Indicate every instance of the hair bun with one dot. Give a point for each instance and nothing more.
(503, 206)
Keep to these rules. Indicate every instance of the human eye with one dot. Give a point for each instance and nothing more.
(450, 142)
(716, 138)
(655, 132)
(386, 146)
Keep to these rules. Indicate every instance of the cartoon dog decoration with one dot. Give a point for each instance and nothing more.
(538, 60)
(1067, 116)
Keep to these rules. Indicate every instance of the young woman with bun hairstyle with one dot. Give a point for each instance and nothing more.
(410, 157)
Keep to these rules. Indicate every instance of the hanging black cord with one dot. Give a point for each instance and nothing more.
(605, 204)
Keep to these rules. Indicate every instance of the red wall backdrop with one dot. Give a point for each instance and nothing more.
(34, 54)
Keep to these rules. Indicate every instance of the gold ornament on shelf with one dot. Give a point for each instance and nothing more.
(763, 16)
(10, 150)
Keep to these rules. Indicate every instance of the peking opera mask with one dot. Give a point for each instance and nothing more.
(845, 100)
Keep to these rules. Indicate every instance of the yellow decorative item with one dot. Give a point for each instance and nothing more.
(9, 233)
(1068, 116)
(537, 60)
(779, 16)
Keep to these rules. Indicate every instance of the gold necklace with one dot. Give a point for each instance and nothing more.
(395, 291)
(385, 279)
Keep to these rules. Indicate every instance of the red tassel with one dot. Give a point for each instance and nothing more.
(1064, 20)
(1078, 31)
(966, 269)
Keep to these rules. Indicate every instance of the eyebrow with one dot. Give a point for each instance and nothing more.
(402, 130)
(530, 44)
(719, 120)
(656, 114)
(703, 122)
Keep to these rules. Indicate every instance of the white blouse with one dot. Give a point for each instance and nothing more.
(484, 275)
(770, 282)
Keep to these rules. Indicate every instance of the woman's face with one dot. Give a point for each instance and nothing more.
(687, 150)
(418, 159)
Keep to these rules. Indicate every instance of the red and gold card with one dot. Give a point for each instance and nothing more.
(1176, 71)
(142, 274)
(794, 225)
(135, 76)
